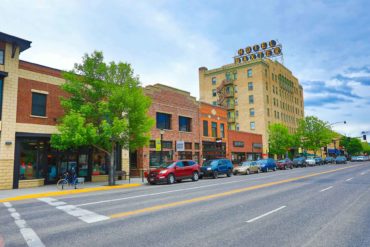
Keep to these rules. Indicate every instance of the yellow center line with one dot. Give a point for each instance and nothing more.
(67, 192)
(218, 195)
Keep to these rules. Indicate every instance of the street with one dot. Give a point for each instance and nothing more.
(315, 206)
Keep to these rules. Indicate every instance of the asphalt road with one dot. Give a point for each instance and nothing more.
(316, 206)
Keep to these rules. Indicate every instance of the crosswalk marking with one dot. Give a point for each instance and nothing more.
(28, 233)
(82, 214)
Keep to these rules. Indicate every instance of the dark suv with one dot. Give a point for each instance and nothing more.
(300, 162)
(213, 168)
(175, 171)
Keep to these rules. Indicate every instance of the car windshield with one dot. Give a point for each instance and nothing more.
(168, 165)
(246, 163)
(210, 163)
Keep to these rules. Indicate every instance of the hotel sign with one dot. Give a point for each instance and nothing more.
(263, 50)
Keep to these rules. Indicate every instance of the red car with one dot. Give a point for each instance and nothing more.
(175, 171)
(285, 164)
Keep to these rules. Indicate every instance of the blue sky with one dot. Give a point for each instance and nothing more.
(326, 44)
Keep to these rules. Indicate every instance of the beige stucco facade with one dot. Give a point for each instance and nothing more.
(277, 95)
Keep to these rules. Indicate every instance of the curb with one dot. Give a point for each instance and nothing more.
(67, 192)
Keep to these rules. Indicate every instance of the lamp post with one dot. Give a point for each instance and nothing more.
(334, 140)
(344, 122)
(161, 154)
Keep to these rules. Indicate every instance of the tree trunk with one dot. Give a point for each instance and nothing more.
(112, 168)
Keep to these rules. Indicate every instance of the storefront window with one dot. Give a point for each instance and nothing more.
(155, 158)
(185, 155)
(100, 163)
(30, 167)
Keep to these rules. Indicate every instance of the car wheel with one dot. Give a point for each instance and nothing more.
(274, 169)
(215, 174)
(171, 179)
(229, 172)
(235, 172)
(258, 171)
(195, 176)
(267, 169)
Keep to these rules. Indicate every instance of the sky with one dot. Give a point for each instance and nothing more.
(326, 44)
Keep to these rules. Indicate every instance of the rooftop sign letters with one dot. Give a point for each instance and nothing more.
(263, 50)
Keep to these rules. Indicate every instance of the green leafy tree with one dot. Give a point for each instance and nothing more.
(365, 147)
(106, 107)
(352, 145)
(314, 133)
(279, 139)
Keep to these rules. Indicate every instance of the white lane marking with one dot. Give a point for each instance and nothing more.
(330, 187)
(28, 234)
(263, 215)
(349, 179)
(82, 214)
(173, 191)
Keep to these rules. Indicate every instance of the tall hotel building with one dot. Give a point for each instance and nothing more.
(256, 93)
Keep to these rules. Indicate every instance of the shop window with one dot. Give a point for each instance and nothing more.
(196, 157)
(214, 129)
(100, 163)
(163, 121)
(152, 144)
(205, 128)
(214, 81)
(250, 86)
(188, 145)
(185, 155)
(38, 104)
(222, 130)
(251, 99)
(167, 144)
(184, 124)
(249, 72)
(32, 160)
(214, 92)
(196, 146)
(155, 158)
(2, 56)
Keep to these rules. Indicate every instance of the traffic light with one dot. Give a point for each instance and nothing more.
(364, 137)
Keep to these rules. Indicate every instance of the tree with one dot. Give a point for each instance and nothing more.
(279, 139)
(352, 145)
(314, 133)
(106, 107)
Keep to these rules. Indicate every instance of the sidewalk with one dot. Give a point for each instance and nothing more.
(52, 190)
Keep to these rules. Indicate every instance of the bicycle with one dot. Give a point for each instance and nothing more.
(67, 180)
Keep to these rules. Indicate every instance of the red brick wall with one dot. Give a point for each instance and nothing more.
(39, 69)
(24, 102)
(2, 45)
(247, 138)
(177, 103)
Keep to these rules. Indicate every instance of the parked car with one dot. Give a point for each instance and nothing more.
(329, 160)
(247, 167)
(354, 158)
(267, 165)
(311, 161)
(285, 164)
(362, 158)
(319, 161)
(299, 162)
(174, 171)
(213, 168)
(341, 160)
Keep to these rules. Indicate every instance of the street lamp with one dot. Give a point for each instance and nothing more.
(161, 154)
(344, 122)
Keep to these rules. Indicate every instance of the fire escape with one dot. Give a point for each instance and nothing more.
(226, 99)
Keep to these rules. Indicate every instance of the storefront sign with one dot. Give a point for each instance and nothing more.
(180, 146)
(157, 144)
(238, 144)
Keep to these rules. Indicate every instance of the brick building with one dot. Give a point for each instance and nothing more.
(176, 115)
(244, 146)
(30, 107)
(214, 131)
